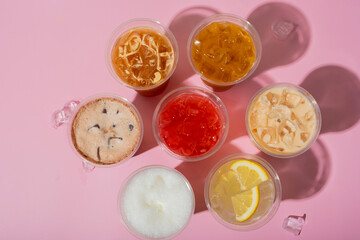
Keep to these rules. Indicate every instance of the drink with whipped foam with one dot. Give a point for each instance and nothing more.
(156, 202)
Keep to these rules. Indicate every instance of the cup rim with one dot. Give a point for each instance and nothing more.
(312, 101)
(93, 98)
(214, 99)
(123, 188)
(122, 28)
(272, 174)
(248, 27)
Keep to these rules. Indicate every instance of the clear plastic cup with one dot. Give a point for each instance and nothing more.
(270, 195)
(88, 163)
(149, 24)
(295, 121)
(156, 202)
(214, 105)
(216, 85)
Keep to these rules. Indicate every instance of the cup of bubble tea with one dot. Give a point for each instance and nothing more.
(224, 50)
(283, 120)
(243, 192)
(156, 202)
(142, 54)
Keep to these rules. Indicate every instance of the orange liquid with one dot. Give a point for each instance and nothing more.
(223, 52)
(142, 57)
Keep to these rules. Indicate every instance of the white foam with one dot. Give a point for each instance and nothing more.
(157, 202)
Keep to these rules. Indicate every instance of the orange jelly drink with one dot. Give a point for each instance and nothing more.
(224, 51)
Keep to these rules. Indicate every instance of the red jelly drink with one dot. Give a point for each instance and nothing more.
(191, 124)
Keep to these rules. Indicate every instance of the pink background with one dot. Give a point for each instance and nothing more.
(53, 51)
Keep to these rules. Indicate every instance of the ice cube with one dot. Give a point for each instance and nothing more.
(283, 29)
(273, 98)
(87, 166)
(290, 126)
(266, 138)
(63, 115)
(264, 100)
(288, 138)
(309, 115)
(280, 112)
(294, 224)
(258, 119)
(292, 100)
(215, 201)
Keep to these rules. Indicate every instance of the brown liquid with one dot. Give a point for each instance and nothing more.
(223, 52)
(142, 57)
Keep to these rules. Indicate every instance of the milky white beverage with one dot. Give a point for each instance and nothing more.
(156, 202)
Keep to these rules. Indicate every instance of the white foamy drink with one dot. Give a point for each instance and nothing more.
(156, 202)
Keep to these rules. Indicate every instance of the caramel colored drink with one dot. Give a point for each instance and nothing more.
(283, 120)
(142, 56)
(224, 50)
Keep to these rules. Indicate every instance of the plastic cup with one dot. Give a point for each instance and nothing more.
(259, 143)
(156, 202)
(270, 195)
(216, 85)
(89, 164)
(141, 24)
(214, 106)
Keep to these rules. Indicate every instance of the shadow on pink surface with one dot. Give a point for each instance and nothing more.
(337, 91)
(304, 175)
(284, 33)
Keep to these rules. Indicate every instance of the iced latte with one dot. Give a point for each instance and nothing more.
(283, 120)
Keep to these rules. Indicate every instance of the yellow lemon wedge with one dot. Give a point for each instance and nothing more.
(250, 174)
(245, 203)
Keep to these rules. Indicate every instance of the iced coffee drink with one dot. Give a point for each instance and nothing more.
(106, 131)
(283, 120)
(224, 50)
(142, 57)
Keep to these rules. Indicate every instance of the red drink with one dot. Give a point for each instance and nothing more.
(190, 124)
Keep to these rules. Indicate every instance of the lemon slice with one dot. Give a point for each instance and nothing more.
(245, 203)
(250, 174)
